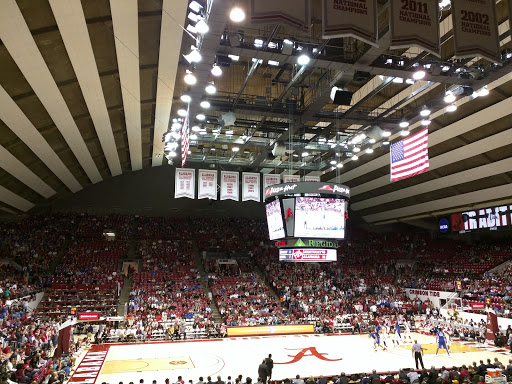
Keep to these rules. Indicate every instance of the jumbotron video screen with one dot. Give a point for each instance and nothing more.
(320, 217)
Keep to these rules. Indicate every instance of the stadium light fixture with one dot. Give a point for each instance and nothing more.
(405, 133)
(369, 150)
(333, 162)
(419, 74)
(235, 149)
(425, 122)
(186, 98)
(451, 108)
(190, 79)
(210, 89)
(195, 6)
(216, 70)
(182, 112)
(205, 104)
(237, 15)
(449, 97)
(202, 27)
(386, 133)
(303, 60)
(339, 165)
(200, 117)
(355, 157)
(424, 111)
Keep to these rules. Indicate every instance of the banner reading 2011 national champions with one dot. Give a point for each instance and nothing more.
(356, 18)
(415, 23)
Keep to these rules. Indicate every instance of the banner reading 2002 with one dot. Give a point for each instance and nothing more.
(475, 29)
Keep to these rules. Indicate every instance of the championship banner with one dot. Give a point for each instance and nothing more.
(291, 178)
(475, 29)
(312, 178)
(293, 13)
(229, 186)
(357, 19)
(415, 23)
(207, 184)
(251, 186)
(184, 183)
(269, 180)
(492, 327)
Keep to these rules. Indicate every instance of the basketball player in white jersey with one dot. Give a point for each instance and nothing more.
(396, 338)
(384, 335)
(407, 330)
(448, 340)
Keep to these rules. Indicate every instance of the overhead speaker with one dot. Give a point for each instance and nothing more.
(341, 96)
(227, 119)
(278, 150)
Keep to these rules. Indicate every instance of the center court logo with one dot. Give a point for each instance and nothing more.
(303, 353)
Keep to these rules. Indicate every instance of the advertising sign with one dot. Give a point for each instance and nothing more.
(89, 316)
(307, 254)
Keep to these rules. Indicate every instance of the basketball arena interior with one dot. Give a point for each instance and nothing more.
(255, 191)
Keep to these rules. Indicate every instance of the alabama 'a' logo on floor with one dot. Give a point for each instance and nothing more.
(303, 353)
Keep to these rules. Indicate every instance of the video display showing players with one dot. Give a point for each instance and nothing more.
(274, 220)
(319, 217)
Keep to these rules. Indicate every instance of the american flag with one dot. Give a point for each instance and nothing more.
(409, 157)
(185, 140)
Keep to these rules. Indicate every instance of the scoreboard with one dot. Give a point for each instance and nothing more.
(306, 219)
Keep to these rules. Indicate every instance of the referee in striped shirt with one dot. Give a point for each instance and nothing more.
(417, 352)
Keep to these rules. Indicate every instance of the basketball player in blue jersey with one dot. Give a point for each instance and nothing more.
(374, 335)
(441, 341)
(398, 328)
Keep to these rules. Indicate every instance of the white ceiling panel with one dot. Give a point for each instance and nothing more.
(173, 17)
(16, 120)
(73, 29)
(16, 168)
(19, 42)
(125, 19)
(14, 200)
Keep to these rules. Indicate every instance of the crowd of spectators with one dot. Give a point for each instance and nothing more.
(166, 295)
(241, 296)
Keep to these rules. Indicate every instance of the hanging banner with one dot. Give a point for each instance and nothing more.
(293, 13)
(415, 23)
(475, 29)
(229, 185)
(269, 180)
(184, 183)
(312, 178)
(251, 186)
(207, 184)
(356, 18)
(291, 178)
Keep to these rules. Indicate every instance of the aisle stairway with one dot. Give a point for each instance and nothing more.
(124, 297)
(269, 286)
(204, 283)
